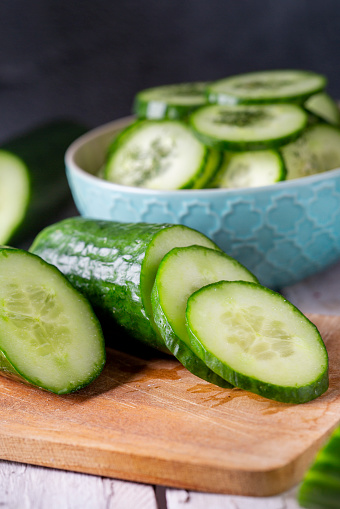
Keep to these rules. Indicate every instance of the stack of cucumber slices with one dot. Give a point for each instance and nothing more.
(248, 130)
(174, 289)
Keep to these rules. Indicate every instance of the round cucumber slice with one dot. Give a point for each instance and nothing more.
(315, 151)
(250, 169)
(14, 194)
(170, 101)
(181, 272)
(248, 127)
(324, 108)
(258, 341)
(320, 488)
(156, 155)
(266, 87)
(49, 335)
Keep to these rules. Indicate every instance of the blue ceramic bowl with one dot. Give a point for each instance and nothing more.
(282, 232)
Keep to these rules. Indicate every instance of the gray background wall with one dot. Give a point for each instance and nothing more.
(86, 59)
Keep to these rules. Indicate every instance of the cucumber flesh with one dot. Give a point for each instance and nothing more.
(49, 335)
(266, 87)
(315, 151)
(114, 265)
(320, 488)
(248, 127)
(181, 272)
(250, 169)
(170, 101)
(14, 194)
(256, 340)
(324, 107)
(156, 155)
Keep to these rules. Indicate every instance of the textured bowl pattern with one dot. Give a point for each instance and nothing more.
(282, 233)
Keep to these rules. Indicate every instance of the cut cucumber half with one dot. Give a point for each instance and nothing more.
(49, 335)
(256, 340)
(170, 101)
(181, 272)
(320, 488)
(14, 194)
(248, 127)
(324, 108)
(315, 151)
(253, 168)
(156, 155)
(266, 87)
(114, 265)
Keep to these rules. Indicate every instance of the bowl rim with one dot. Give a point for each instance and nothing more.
(104, 129)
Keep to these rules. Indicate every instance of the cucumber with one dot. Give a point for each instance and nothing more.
(114, 265)
(49, 334)
(14, 194)
(320, 488)
(266, 87)
(315, 151)
(157, 154)
(182, 271)
(41, 152)
(248, 127)
(170, 101)
(253, 168)
(324, 107)
(256, 340)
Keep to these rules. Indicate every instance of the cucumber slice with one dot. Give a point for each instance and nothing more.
(114, 265)
(49, 335)
(170, 101)
(181, 272)
(256, 340)
(315, 151)
(211, 169)
(41, 152)
(320, 488)
(250, 169)
(14, 194)
(248, 127)
(156, 155)
(324, 108)
(266, 87)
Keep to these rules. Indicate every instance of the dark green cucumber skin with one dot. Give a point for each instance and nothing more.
(181, 351)
(42, 150)
(141, 108)
(320, 488)
(267, 390)
(103, 260)
(10, 371)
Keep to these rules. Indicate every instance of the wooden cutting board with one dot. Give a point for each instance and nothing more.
(152, 421)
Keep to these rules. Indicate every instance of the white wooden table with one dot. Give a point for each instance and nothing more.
(31, 487)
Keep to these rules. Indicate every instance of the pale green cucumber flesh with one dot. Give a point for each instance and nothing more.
(266, 87)
(315, 151)
(165, 240)
(156, 155)
(258, 341)
(324, 107)
(253, 168)
(320, 488)
(250, 127)
(49, 334)
(210, 170)
(14, 194)
(181, 272)
(170, 101)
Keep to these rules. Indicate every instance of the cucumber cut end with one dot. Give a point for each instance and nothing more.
(258, 341)
(14, 194)
(48, 331)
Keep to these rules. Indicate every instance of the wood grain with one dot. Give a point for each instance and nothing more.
(152, 421)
